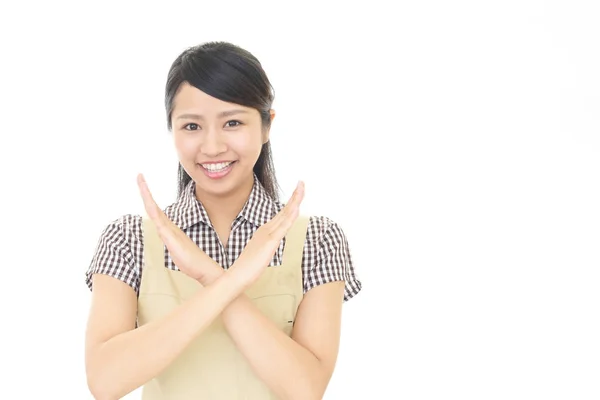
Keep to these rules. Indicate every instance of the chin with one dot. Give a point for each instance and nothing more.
(219, 183)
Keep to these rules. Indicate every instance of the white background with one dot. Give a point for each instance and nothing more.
(456, 143)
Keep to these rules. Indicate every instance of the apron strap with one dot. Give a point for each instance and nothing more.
(154, 250)
(294, 241)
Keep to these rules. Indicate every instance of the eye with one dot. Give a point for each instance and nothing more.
(232, 123)
(191, 127)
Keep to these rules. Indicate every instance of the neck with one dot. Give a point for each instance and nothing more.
(222, 210)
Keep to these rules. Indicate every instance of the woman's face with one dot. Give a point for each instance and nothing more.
(217, 142)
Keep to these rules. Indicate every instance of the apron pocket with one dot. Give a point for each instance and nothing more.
(279, 308)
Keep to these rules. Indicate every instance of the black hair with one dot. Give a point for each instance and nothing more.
(232, 74)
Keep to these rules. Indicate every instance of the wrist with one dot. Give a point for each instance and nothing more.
(211, 276)
(232, 279)
(223, 290)
(241, 274)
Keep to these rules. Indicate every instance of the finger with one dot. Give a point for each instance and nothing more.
(299, 194)
(286, 217)
(286, 223)
(153, 210)
(149, 203)
(290, 204)
(295, 200)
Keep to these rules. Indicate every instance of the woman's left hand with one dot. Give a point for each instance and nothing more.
(186, 255)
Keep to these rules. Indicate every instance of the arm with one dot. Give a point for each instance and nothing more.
(119, 358)
(299, 367)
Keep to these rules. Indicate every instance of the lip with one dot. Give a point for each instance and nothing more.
(216, 162)
(217, 175)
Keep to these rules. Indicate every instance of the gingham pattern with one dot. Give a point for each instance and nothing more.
(326, 255)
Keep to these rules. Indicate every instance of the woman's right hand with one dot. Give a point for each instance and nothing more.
(259, 251)
(186, 254)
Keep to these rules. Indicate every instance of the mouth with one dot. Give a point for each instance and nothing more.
(217, 170)
(217, 167)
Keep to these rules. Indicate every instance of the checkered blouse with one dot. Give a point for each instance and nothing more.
(326, 255)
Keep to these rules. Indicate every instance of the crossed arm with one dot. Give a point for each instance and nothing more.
(299, 367)
(120, 359)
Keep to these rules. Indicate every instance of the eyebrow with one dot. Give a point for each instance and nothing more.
(223, 114)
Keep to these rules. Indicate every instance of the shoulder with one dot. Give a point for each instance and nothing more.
(327, 256)
(327, 238)
(120, 248)
(126, 228)
(129, 227)
(119, 251)
(319, 227)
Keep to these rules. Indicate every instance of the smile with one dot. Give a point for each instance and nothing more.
(217, 170)
(218, 167)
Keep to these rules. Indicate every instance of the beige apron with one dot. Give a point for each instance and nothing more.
(211, 367)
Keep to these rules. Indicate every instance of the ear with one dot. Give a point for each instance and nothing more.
(267, 131)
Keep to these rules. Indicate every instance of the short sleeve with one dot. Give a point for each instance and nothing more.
(117, 252)
(332, 260)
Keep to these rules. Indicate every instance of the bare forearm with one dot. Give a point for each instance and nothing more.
(127, 361)
(287, 368)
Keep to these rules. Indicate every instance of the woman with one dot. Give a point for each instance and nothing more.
(226, 293)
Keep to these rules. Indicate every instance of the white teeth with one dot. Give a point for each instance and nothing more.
(216, 167)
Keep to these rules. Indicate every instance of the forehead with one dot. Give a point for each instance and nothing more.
(189, 98)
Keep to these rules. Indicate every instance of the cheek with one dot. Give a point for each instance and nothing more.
(248, 146)
(183, 145)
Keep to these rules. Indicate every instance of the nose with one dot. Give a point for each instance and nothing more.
(213, 143)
